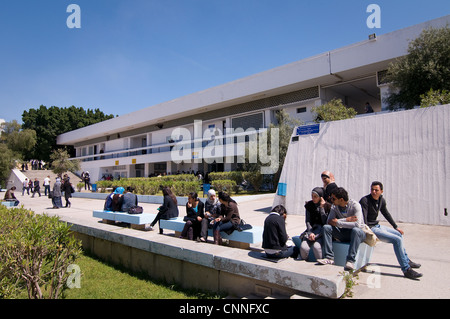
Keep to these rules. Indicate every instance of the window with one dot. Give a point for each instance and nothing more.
(301, 110)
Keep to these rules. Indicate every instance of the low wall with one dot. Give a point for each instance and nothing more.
(207, 267)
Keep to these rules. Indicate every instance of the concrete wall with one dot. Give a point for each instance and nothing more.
(16, 178)
(207, 267)
(408, 151)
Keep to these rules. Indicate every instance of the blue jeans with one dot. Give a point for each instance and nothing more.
(221, 226)
(390, 235)
(353, 235)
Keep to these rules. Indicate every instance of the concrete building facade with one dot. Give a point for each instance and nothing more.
(144, 142)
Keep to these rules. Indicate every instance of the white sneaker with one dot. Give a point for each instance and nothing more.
(349, 266)
(326, 261)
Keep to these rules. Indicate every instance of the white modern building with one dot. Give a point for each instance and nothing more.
(144, 142)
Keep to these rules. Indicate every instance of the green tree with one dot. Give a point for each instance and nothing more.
(61, 163)
(333, 111)
(279, 133)
(51, 122)
(425, 67)
(6, 163)
(433, 98)
(15, 143)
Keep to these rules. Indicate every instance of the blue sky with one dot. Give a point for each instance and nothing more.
(132, 54)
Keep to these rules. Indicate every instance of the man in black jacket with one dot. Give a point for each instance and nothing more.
(371, 205)
(275, 236)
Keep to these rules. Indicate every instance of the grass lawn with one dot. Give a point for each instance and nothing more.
(102, 281)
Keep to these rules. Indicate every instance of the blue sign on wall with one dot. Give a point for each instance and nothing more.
(308, 129)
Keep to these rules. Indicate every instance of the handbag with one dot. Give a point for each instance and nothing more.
(50, 194)
(243, 226)
(371, 238)
(135, 210)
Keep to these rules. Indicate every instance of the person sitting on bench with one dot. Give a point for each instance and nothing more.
(10, 197)
(194, 215)
(229, 218)
(371, 205)
(168, 209)
(345, 223)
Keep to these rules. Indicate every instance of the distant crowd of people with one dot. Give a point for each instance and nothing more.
(61, 187)
(34, 164)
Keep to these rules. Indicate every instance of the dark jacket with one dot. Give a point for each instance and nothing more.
(315, 218)
(116, 204)
(66, 187)
(168, 209)
(230, 213)
(129, 200)
(371, 207)
(328, 190)
(192, 215)
(274, 234)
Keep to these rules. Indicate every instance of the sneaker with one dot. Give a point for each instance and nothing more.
(326, 261)
(412, 264)
(349, 266)
(412, 274)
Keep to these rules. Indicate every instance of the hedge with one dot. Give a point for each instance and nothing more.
(181, 185)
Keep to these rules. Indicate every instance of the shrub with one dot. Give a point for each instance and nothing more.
(334, 110)
(255, 179)
(35, 251)
(184, 188)
(226, 185)
(433, 98)
(234, 176)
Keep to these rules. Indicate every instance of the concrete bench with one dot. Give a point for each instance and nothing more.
(362, 256)
(238, 239)
(341, 251)
(8, 203)
(137, 221)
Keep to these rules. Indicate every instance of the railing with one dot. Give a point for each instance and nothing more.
(224, 139)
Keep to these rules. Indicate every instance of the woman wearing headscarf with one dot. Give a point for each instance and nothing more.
(212, 211)
(56, 199)
(117, 199)
(316, 215)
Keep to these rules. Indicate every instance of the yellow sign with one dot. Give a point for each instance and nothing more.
(133, 161)
(117, 163)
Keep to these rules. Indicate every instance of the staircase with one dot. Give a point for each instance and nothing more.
(41, 174)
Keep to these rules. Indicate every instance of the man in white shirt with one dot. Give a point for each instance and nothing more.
(47, 184)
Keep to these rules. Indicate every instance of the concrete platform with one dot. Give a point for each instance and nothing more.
(225, 266)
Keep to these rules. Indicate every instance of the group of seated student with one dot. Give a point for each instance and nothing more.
(332, 215)
(218, 213)
(118, 201)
